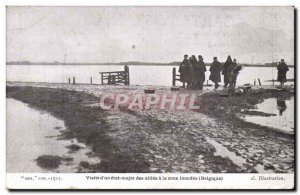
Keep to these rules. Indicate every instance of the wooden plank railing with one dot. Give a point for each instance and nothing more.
(115, 77)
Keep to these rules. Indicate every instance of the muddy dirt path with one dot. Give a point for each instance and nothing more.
(190, 141)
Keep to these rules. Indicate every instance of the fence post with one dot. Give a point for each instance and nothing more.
(109, 79)
(69, 80)
(113, 79)
(126, 69)
(91, 79)
(101, 78)
(174, 77)
(259, 81)
(74, 80)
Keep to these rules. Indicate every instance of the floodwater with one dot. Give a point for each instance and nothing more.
(139, 75)
(32, 133)
(284, 110)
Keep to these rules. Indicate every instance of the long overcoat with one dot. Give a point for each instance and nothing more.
(215, 71)
(200, 72)
(282, 70)
(186, 71)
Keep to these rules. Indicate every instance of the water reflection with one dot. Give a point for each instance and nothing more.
(33, 141)
(283, 111)
(281, 105)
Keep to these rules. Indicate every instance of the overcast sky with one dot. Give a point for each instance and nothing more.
(153, 34)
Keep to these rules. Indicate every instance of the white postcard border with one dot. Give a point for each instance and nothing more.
(156, 181)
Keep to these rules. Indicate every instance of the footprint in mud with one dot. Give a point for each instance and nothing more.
(51, 162)
(52, 136)
(73, 148)
(84, 164)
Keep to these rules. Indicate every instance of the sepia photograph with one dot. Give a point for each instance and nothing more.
(136, 94)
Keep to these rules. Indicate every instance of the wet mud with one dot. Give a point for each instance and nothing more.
(162, 140)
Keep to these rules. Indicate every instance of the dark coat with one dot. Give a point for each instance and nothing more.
(186, 71)
(194, 63)
(182, 71)
(215, 70)
(226, 71)
(227, 67)
(282, 70)
(235, 72)
(190, 73)
(233, 67)
(200, 71)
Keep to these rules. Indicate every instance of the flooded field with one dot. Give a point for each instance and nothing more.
(35, 144)
(139, 75)
(281, 113)
(152, 141)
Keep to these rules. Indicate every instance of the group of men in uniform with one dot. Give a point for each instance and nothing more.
(192, 72)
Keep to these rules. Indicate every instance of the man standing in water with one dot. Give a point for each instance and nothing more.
(215, 71)
(183, 70)
(226, 70)
(282, 70)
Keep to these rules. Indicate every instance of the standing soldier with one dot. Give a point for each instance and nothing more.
(194, 63)
(190, 72)
(215, 71)
(236, 68)
(231, 73)
(183, 70)
(282, 70)
(226, 70)
(201, 72)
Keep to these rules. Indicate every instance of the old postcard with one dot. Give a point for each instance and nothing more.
(150, 97)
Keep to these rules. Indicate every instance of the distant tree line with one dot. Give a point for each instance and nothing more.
(273, 64)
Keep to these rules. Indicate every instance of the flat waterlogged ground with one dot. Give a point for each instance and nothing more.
(35, 134)
(213, 140)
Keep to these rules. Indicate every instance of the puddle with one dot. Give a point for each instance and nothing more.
(283, 109)
(31, 134)
(239, 161)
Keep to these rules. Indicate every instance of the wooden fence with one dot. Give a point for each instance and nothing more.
(115, 77)
(175, 77)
